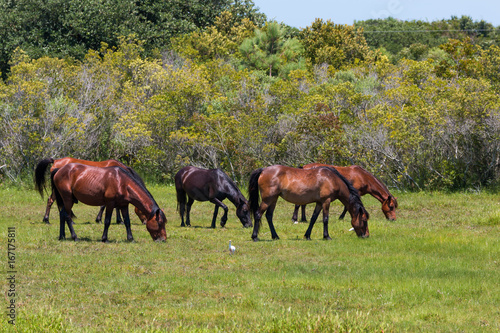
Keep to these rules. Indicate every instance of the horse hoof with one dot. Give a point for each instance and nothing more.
(62, 238)
(76, 239)
(130, 239)
(276, 238)
(327, 238)
(46, 221)
(105, 241)
(255, 239)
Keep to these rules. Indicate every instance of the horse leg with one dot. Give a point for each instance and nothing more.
(218, 204)
(341, 217)
(269, 218)
(214, 218)
(182, 209)
(257, 219)
(188, 211)
(50, 201)
(314, 217)
(98, 218)
(62, 224)
(119, 219)
(126, 220)
(107, 222)
(295, 213)
(303, 219)
(326, 209)
(65, 218)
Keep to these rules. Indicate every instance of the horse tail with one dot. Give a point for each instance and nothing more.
(181, 194)
(40, 171)
(253, 191)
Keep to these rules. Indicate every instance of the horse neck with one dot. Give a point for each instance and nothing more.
(140, 197)
(376, 189)
(235, 196)
(232, 192)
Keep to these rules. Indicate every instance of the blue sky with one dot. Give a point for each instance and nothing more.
(301, 13)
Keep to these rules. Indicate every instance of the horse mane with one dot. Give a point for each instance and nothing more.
(138, 180)
(354, 197)
(380, 183)
(230, 182)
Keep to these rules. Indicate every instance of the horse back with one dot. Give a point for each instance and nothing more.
(300, 186)
(198, 183)
(59, 163)
(92, 185)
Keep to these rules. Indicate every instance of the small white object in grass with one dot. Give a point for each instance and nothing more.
(351, 229)
(231, 248)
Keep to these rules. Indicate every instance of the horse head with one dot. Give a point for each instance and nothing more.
(243, 213)
(389, 208)
(156, 225)
(359, 222)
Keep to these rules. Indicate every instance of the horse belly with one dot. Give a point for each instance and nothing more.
(300, 198)
(90, 199)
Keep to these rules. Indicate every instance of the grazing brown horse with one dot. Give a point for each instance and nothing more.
(365, 183)
(59, 163)
(112, 187)
(302, 186)
(209, 185)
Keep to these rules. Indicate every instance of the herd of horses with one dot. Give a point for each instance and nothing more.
(114, 186)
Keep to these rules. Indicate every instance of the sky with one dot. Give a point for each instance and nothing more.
(301, 13)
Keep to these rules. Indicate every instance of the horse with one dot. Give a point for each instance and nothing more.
(112, 187)
(42, 166)
(209, 185)
(365, 183)
(302, 186)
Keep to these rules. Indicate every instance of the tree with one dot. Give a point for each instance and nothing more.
(334, 44)
(271, 51)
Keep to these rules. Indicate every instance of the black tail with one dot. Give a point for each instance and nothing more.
(253, 192)
(181, 194)
(40, 171)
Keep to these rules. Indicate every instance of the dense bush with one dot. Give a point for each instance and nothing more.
(424, 118)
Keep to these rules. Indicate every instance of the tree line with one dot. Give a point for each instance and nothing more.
(235, 91)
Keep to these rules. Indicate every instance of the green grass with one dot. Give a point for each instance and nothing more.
(434, 269)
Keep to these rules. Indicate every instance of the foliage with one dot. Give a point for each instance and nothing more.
(69, 28)
(333, 44)
(237, 95)
(270, 51)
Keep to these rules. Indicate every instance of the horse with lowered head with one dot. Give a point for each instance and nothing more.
(365, 183)
(192, 183)
(302, 186)
(112, 187)
(41, 169)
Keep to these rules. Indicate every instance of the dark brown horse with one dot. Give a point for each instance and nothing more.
(112, 187)
(302, 186)
(365, 183)
(41, 169)
(209, 185)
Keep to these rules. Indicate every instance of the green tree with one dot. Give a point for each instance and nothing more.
(334, 44)
(271, 51)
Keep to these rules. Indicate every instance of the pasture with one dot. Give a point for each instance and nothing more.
(434, 269)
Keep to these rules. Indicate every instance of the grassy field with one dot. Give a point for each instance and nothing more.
(437, 268)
